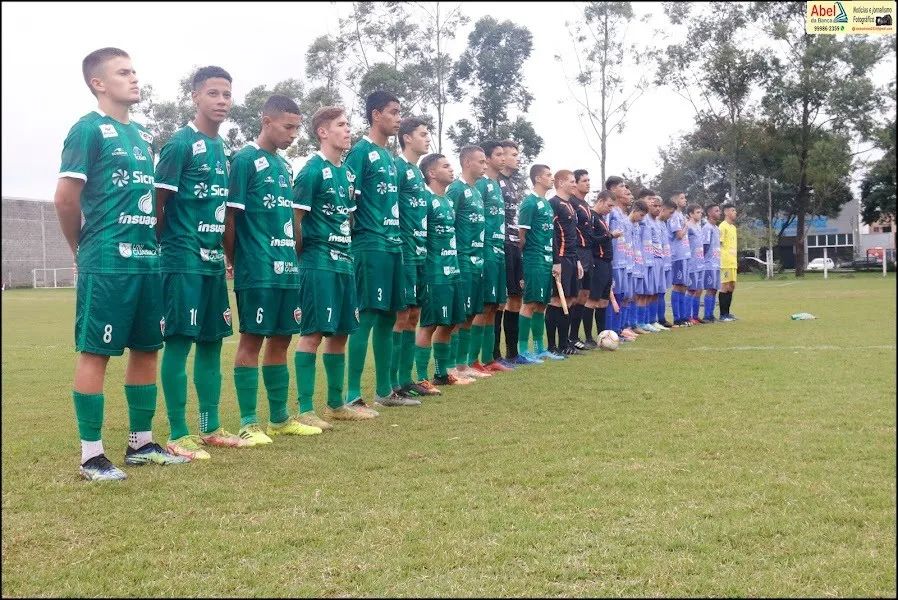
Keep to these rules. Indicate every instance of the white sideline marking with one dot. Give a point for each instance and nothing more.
(756, 348)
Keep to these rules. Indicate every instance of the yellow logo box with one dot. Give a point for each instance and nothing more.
(850, 17)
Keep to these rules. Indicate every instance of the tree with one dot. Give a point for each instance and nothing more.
(490, 72)
(602, 58)
(248, 114)
(323, 65)
(715, 70)
(164, 118)
(878, 185)
(433, 66)
(819, 86)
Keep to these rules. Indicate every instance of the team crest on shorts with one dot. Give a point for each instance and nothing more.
(226, 315)
(297, 314)
(162, 325)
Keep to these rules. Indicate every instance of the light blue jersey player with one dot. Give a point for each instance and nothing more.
(711, 243)
(695, 265)
(679, 253)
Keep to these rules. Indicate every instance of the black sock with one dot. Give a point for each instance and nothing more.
(564, 330)
(575, 316)
(587, 321)
(600, 318)
(497, 323)
(552, 326)
(724, 298)
(511, 334)
(729, 301)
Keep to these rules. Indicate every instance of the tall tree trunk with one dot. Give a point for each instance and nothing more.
(604, 134)
(803, 191)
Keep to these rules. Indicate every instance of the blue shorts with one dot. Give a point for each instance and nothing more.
(660, 281)
(645, 285)
(668, 278)
(712, 279)
(678, 273)
(695, 280)
(622, 284)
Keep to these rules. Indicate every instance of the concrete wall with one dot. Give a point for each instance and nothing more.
(32, 239)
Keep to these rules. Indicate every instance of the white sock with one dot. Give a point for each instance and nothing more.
(90, 449)
(137, 439)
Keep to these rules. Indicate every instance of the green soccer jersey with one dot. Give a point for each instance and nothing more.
(412, 211)
(376, 224)
(264, 247)
(535, 215)
(325, 192)
(494, 213)
(469, 225)
(115, 162)
(441, 262)
(194, 167)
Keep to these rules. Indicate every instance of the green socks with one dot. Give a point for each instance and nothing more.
(538, 327)
(174, 383)
(476, 341)
(489, 342)
(246, 381)
(422, 359)
(277, 380)
(406, 357)
(358, 351)
(464, 343)
(441, 352)
(334, 366)
(394, 360)
(305, 380)
(523, 334)
(453, 351)
(141, 406)
(89, 412)
(382, 343)
(207, 379)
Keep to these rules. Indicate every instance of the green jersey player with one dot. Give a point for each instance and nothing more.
(378, 243)
(191, 191)
(442, 305)
(414, 139)
(483, 330)
(260, 241)
(325, 201)
(470, 233)
(535, 222)
(107, 174)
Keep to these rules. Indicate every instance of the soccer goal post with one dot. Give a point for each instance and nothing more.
(65, 277)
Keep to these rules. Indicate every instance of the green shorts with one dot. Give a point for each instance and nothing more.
(269, 311)
(114, 311)
(537, 283)
(327, 302)
(442, 304)
(472, 292)
(413, 283)
(495, 288)
(196, 306)
(378, 281)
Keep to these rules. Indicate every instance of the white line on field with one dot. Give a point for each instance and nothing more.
(756, 348)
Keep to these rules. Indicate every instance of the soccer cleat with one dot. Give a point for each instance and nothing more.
(312, 420)
(666, 323)
(429, 388)
(152, 453)
(462, 378)
(361, 405)
(642, 329)
(590, 344)
(187, 446)
(479, 368)
(99, 468)
(569, 351)
(507, 362)
(533, 357)
(449, 379)
(520, 360)
(497, 367)
(726, 319)
(395, 399)
(344, 413)
(577, 343)
(549, 355)
(221, 438)
(254, 435)
(660, 327)
(471, 373)
(628, 332)
(291, 426)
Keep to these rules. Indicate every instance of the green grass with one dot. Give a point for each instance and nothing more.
(766, 466)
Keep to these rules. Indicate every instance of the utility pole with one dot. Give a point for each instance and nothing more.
(769, 232)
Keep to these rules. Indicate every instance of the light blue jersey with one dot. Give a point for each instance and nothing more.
(679, 249)
(696, 248)
(622, 257)
(711, 239)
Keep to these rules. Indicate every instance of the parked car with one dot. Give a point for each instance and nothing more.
(818, 264)
(869, 263)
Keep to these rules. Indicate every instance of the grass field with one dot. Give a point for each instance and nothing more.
(753, 458)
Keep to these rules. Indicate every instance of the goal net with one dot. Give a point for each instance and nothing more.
(54, 278)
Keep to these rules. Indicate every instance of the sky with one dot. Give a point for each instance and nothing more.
(43, 92)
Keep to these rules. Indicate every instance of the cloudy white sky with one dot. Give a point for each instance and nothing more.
(262, 43)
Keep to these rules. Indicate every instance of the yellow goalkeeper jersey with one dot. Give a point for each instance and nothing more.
(728, 258)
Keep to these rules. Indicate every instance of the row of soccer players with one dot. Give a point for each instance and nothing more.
(361, 248)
